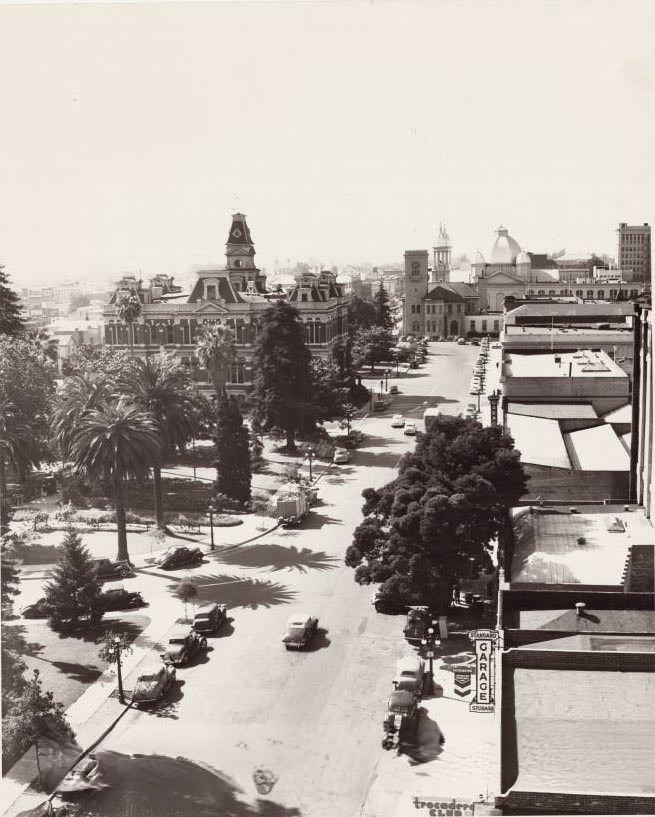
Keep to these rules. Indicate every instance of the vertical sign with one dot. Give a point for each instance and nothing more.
(485, 670)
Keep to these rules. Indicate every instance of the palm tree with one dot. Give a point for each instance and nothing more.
(17, 449)
(217, 352)
(115, 442)
(81, 394)
(129, 307)
(161, 386)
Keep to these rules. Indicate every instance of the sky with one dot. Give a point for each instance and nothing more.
(346, 131)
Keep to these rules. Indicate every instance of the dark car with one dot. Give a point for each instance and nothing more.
(418, 622)
(153, 684)
(301, 628)
(40, 609)
(209, 619)
(389, 605)
(183, 646)
(106, 570)
(118, 598)
(175, 557)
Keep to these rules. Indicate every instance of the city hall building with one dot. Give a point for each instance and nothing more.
(235, 296)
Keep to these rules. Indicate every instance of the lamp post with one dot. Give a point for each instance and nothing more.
(212, 511)
(118, 645)
(381, 387)
(430, 645)
(395, 357)
(386, 379)
(310, 456)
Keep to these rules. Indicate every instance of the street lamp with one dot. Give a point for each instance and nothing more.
(212, 511)
(395, 357)
(430, 645)
(310, 455)
(381, 386)
(386, 379)
(118, 645)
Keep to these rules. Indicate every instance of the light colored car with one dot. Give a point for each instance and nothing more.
(153, 683)
(461, 342)
(397, 421)
(393, 389)
(410, 429)
(409, 674)
(301, 628)
(341, 455)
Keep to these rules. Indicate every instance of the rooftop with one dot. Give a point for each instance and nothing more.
(539, 440)
(593, 621)
(547, 550)
(597, 449)
(554, 411)
(584, 731)
(584, 364)
(589, 308)
(619, 415)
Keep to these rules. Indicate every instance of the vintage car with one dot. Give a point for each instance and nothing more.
(410, 429)
(397, 421)
(417, 624)
(178, 556)
(118, 598)
(40, 609)
(409, 674)
(80, 779)
(301, 628)
(393, 389)
(341, 455)
(106, 569)
(153, 684)
(209, 619)
(183, 646)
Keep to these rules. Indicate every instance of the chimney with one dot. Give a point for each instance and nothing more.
(580, 608)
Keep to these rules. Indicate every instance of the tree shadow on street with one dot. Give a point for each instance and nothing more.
(385, 459)
(150, 785)
(315, 521)
(130, 629)
(167, 708)
(84, 673)
(237, 591)
(278, 557)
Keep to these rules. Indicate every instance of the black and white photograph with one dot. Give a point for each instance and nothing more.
(327, 484)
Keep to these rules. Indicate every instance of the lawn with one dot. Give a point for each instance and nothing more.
(69, 663)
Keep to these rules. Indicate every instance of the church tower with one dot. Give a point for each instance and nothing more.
(441, 253)
(416, 288)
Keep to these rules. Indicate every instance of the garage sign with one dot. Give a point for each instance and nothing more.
(485, 642)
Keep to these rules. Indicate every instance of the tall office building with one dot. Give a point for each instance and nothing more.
(634, 250)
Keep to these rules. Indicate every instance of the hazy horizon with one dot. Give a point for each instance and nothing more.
(345, 131)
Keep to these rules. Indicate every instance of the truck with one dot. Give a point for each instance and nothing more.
(293, 505)
(429, 416)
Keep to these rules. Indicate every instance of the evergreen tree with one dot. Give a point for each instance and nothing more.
(282, 395)
(372, 346)
(11, 321)
(73, 593)
(383, 316)
(13, 642)
(362, 314)
(232, 451)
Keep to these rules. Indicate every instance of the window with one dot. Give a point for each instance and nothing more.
(238, 373)
(459, 309)
(450, 309)
(601, 293)
(169, 334)
(303, 297)
(551, 292)
(237, 262)
(413, 309)
(613, 294)
(186, 334)
(578, 292)
(496, 326)
(484, 326)
(634, 293)
(472, 326)
(211, 292)
(418, 309)
(541, 292)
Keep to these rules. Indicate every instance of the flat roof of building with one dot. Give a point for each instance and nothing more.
(584, 731)
(597, 449)
(577, 308)
(583, 364)
(619, 415)
(554, 411)
(539, 441)
(547, 548)
(592, 621)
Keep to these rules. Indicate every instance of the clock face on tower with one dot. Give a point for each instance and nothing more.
(236, 233)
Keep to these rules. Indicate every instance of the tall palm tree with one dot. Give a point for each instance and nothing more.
(81, 394)
(161, 386)
(217, 352)
(116, 442)
(17, 449)
(129, 307)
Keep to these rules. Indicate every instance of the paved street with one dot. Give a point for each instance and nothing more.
(313, 719)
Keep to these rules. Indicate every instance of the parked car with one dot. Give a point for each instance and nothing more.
(301, 628)
(393, 389)
(410, 429)
(461, 342)
(341, 455)
(389, 605)
(397, 421)
(183, 646)
(379, 405)
(106, 569)
(475, 342)
(153, 683)
(413, 364)
(177, 556)
(79, 779)
(118, 598)
(409, 674)
(209, 619)
(40, 609)
(418, 622)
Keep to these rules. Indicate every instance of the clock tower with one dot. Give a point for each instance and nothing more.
(240, 257)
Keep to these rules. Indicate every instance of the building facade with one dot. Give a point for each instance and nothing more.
(634, 250)
(234, 296)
